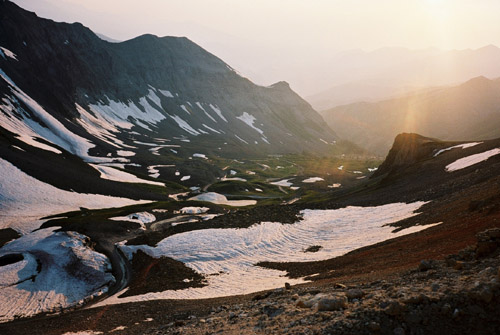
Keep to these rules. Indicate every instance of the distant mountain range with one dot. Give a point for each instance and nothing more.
(357, 76)
(470, 111)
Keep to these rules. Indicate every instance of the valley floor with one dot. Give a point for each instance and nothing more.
(441, 279)
(421, 289)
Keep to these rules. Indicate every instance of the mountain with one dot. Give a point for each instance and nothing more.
(421, 225)
(386, 73)
(69, 98)
(467, 111)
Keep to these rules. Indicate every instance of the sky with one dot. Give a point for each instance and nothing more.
(257, 36)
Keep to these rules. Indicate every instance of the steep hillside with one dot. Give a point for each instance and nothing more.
(468, 111)
(68, 98)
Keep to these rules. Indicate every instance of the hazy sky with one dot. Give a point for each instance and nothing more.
(244, 32)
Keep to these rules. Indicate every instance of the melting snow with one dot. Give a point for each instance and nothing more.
(24, 199)
(110, 173)
(141, 217)
(184, 178)
(194, 210)
(206, 113)
(471, 160)
(185, 109)
(220, 199)
(153, 97)
(336, 185)
(372, 169)
(211, 129)
(154, 172)
(463, 146)
(284, 182)
(56, 286)
(118, 329)
(184, 125)
(118, 113)
(233, 253)
(341, 167)
(218, 111)
(166, 93)
(249, 120)
(312, 180)
(100, 127)
(200, 156)
(17, 120)
(7, 53)
(232, 179)
(242, 140)
(124, 153)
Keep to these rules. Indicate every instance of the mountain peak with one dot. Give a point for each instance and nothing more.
(407, 149)
(280, 85)
(489, 47)
(480, 81)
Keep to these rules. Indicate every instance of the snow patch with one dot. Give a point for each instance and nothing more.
(57, 285)
(184, 125)
(220, 199)
(141, 217)
(211, 129)
(284, 182)
(118, 113)
(218, 111)
(464, 162)
(17, 120)
(166, 93)
(125, 153)
(232, 179)
(463, 146)
(242, 140)
(249, 120)
(154, 172)
(194, 210)
(110, 173)
(185, 109)
(4, 52)
(312, 180)
(24, 200)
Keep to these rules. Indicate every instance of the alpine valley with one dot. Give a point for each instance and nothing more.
(146, 187)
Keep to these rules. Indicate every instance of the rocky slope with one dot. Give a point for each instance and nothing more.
(465, 112)
(66, 96)
(444, 278)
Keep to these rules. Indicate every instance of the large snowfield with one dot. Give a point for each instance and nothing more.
(57, 271)
(24, 200)
(228, 256)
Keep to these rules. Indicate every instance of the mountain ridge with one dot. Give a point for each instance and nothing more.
(73, 65)
(467, 111)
